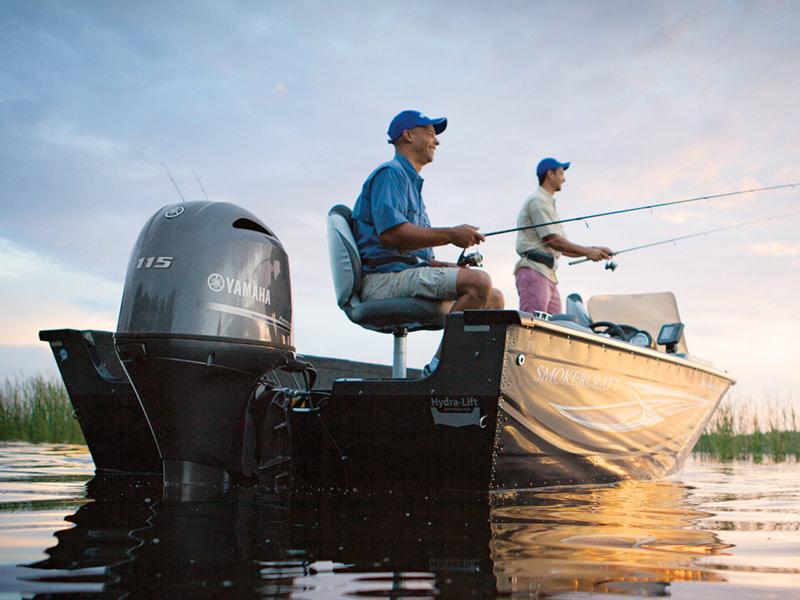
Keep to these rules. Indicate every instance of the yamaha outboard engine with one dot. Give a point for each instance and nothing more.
(206, 309)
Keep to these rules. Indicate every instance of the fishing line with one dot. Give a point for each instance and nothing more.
(645, 207)
(691, 235)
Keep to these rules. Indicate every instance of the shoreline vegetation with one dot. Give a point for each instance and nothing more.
(741, 430)
(37, 409)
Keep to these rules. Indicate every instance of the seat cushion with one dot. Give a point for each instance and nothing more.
(387, 315)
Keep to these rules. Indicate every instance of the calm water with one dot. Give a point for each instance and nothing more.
(718, 531)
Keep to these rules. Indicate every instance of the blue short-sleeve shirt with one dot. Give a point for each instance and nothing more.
(391, 196)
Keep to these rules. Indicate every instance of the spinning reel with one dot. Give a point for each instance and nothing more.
(471, 259)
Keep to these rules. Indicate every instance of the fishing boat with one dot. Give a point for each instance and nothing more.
(604, 392)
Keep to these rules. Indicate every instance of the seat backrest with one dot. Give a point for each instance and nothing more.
(343, 254)
(577, 308)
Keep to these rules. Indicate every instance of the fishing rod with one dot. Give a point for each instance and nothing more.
(200, 183)
(659, 205)
(173, 181)
(611, 265)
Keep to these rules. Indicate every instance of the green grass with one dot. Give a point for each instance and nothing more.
(744, 430)
(37, 409)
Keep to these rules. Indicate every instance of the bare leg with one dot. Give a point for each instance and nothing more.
(474, 290)
(496, 300)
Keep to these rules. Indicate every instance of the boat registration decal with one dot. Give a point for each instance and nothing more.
(462, 411)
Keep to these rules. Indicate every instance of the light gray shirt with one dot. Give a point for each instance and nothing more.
(538, 208)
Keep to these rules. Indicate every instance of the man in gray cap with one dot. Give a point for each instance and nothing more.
(540, 247)
(394, 235)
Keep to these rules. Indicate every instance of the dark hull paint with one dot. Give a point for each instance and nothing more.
(110, 415)
(436, 432)
(111, 418)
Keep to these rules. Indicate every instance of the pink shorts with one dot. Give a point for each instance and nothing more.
(537, 292)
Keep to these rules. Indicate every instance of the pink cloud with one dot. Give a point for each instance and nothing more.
(776, 249)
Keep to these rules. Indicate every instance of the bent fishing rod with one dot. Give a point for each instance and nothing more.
(645, 207)
(611, 265)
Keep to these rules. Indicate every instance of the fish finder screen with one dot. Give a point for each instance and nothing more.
(670, 333)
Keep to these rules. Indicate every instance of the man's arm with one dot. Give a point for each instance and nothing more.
(441, 263)
(563, 245)
(558, 242)
(409, 237)
(389, 213)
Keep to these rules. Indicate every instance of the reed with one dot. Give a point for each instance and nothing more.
(743, 429)
(37, 409)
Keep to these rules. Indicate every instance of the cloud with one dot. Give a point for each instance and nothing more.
(285, 116)
(22, 361)
(776, 249)
(682, 216)
(14, 262)
(41, 294)
(66, 134)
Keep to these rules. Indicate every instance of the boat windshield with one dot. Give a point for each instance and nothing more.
(643, 311)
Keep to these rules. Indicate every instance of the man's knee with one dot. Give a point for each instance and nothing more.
(496, 299)
(475, 283)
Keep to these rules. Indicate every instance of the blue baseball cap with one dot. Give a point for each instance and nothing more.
(549, 164)
(408, 119)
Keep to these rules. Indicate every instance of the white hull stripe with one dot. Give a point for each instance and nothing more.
(247, 314)
(555, 438)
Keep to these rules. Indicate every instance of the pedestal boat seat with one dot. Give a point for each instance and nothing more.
(576, 315)
(397, 316)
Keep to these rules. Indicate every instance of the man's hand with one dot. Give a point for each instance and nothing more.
(595, 253)
(465, 236)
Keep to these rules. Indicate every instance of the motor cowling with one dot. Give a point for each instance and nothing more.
(208, 269)
(205, 310)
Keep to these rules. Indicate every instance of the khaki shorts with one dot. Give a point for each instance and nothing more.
(431, 283)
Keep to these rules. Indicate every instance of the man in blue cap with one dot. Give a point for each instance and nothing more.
(540, 247)
(394, 235)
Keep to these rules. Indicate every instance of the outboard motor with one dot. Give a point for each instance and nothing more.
(206, 309)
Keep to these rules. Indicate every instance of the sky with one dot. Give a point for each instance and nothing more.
(282, 108)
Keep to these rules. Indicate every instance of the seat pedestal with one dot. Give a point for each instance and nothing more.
(399, 357)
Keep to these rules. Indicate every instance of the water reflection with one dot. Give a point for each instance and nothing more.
(630, 538)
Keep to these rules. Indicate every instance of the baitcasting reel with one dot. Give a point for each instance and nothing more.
(473, 259)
